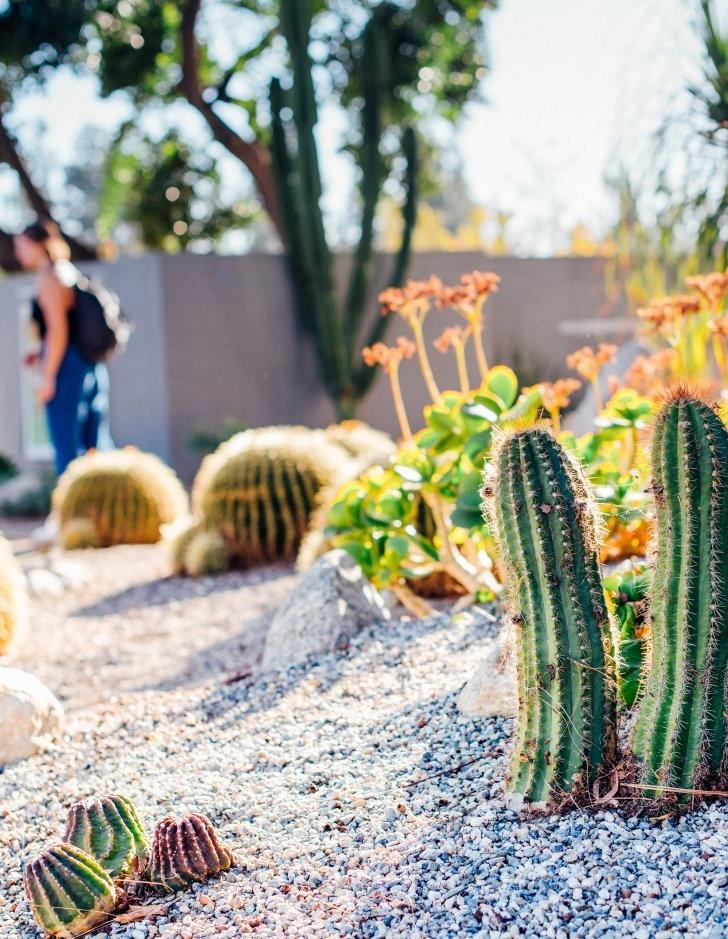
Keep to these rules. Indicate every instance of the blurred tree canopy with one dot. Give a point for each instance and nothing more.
(218, 56)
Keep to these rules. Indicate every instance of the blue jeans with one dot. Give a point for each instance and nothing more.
(78, 415)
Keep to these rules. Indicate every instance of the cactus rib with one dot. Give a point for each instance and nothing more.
(566, 730)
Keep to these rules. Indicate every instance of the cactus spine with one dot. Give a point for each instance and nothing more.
(186, 851)
(68, 891)
(110, 830)
(260, 488)
(680, 735)
(545, 524)
(127, 496)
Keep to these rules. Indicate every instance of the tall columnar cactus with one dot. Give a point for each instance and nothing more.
(186, 851)
(109, 829)
(68, 891)
(13, 599)
(545, 522)
(680, 735)
(335, 327)
(260, 488)
(127, 496)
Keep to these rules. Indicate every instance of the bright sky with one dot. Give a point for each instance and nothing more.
(575, 85)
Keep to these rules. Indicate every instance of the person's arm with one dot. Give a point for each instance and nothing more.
(54, 302)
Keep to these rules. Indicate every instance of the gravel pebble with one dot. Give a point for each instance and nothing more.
(308, 776)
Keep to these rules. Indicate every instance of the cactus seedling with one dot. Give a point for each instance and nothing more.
(545, 523)
(110, 830)
(680, 735)
(186, 851)
(68, 891)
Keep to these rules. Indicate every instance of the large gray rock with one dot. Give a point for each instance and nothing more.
(31, 716)
(328, 605)
(491, 692)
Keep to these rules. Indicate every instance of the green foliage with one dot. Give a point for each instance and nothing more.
(168, 192)
(186, 851)
(205, 439)
(126, 494)
(260, 488)
(109, 829)
(13, 598)
(382, 520)
(542, 510)
(680, 735)
(34, 502)
(628, 590)
(68, 891)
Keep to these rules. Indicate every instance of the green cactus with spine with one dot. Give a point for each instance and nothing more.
(127, 495)
(186, 851)
(680, 734)
(260, 488)
(13, 599)
(69, 891)
(110, 830)
(545, 522)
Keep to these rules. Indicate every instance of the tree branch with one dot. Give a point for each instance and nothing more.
(254, 156)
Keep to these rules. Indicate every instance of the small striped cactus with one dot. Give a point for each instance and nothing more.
(109, 829)
(260, 488)
(68, 891)
(13, 599)
(545, 522)
(681, 730)
(186, 851)
(126, 495)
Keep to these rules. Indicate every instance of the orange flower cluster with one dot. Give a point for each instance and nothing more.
(403, 299)
(556, 395)
(719, 326)
(389, 357)
(452, 336)
(712, 287)
(648, 374)
(588, 363)
(470, 292)
(667, 310)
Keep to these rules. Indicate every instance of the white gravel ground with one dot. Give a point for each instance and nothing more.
(309, 776)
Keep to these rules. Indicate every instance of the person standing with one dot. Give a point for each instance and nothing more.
(73, 390)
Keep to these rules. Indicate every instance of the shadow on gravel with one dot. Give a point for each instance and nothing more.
(174, 589)
(272, 687)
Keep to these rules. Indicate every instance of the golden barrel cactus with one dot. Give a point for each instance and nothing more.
(127, 495)
(260, 488)
(13, 598)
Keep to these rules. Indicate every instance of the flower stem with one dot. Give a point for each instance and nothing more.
(479, 347)
(424, 361)
(462, 367)
(598, 399)
(399, 407)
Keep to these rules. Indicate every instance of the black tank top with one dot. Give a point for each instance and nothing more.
(36, 315)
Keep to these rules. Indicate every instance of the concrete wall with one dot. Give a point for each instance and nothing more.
(216, 337)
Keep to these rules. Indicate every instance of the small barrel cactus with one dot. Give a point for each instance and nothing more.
(68, 891)
(260, 488)
(206, 554)
(127, 496)
(13, 599)
(681, 730)
(109, 829)
(186, 851)
(545, 523)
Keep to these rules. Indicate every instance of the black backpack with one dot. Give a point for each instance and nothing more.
(98, 327)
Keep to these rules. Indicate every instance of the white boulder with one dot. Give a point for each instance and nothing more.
(491, 692)
(31, 716)
(330, 603)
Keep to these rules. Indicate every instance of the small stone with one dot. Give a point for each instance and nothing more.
(31, 716)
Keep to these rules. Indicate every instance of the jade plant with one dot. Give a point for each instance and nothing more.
(109, 829)
(544, 517)
(680, 735)
(69, 892)
(186, 851)
(126, 495)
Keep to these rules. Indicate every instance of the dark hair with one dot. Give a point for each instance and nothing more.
(49, 235)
